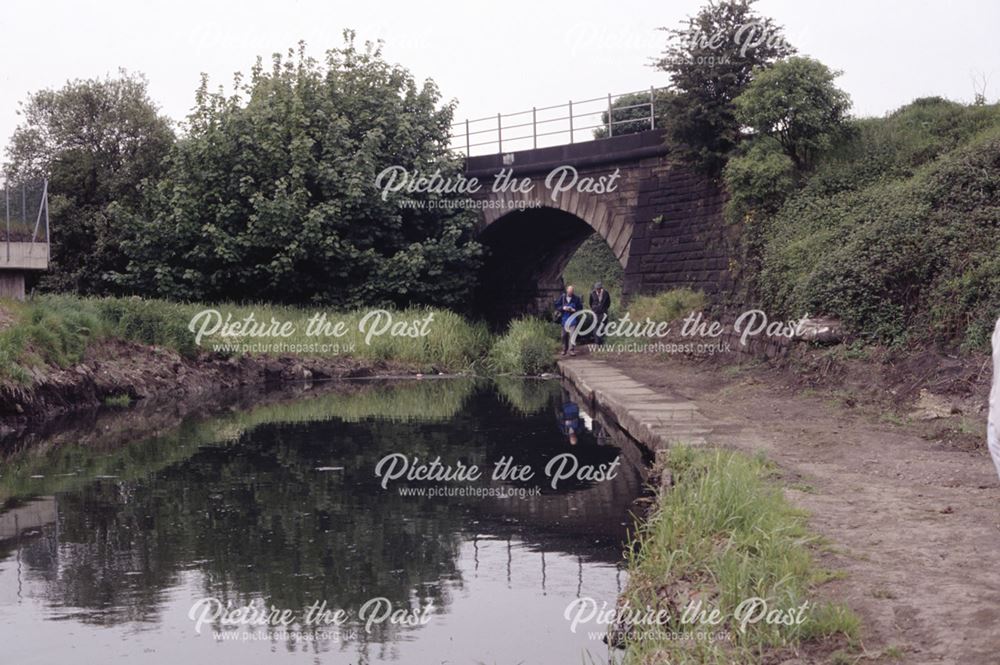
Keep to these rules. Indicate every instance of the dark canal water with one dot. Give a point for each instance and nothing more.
(108, 540)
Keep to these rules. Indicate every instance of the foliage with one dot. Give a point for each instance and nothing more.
(758, 179)
(631, 113)
(796, 103)
(710, 61)
(528, 347)
(97, 141)
(666, 306)
(273, 192)
(897, 233)
(57, 330)
(595, 262)
(723, 533)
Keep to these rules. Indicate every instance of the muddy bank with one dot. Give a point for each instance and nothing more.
(909, 517)
(118, 370)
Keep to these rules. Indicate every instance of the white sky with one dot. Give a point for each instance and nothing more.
(491, 56)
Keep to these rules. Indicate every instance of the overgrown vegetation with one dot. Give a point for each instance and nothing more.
(271, 193)
(56, 330)
(528, 346)
(722, 534)
(667, 306)
(896, 231)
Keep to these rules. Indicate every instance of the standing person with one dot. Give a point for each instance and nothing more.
(567, 305)
(600, 304)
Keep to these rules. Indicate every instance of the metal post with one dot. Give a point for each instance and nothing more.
(45, 195)
(571, 121)
(499, 133)
(38, 220)
(6, 202)
(534, 129)
(611, 129)
(467, 147)
(652, 102)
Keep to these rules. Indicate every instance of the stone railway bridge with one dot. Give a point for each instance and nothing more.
(663, 223)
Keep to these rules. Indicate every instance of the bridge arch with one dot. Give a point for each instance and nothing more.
(662, 222)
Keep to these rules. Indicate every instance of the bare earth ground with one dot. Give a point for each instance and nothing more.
(910, 517)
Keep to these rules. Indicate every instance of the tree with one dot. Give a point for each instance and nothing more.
(710, 61)
(631, 113)
(796, 103)
(272, 193)
(96, 140)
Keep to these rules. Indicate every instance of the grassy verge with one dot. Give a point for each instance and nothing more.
(667, 306)
(529, 346)
(724, 534)
(57, 330)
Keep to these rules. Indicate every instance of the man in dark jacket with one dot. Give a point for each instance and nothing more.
(567, 305)
(600, 304)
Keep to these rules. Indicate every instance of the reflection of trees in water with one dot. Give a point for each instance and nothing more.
(256, 519)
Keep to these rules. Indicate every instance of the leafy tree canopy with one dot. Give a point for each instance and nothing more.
(96, 140)
(710, 60)
(796, 102)
(271, 194)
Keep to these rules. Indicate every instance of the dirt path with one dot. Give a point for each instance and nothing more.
(914, 523)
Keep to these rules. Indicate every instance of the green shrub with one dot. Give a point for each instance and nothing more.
(528, 347)
(896, 234)
(758, 179)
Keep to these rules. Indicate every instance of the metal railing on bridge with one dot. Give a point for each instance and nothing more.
(25, 230)
(624, 113)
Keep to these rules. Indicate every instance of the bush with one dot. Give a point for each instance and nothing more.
(897, 233)
(528, 347)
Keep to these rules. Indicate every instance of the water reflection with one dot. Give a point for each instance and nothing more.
(279, 504)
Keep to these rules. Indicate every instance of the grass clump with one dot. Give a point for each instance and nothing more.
(528, 347)
(724, 534)
(666, 306)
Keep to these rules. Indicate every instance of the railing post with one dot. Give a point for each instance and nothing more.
(6, 203)
(652, 102)
(468, 150)
(611, 127)
(45, 196)
(499, 133)
(571, 121)
(534, 128)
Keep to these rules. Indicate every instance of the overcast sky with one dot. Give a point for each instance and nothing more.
(491, 56)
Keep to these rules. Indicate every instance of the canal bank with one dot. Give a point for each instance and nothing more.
(903, 510)
(653, 417)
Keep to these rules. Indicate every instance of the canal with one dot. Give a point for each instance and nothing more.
(285, 530)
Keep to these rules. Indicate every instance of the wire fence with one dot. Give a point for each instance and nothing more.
(24, 236)
(599, 117)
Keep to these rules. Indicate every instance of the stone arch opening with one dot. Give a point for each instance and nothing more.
(526, 253)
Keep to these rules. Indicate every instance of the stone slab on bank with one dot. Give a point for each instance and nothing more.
(651, 417)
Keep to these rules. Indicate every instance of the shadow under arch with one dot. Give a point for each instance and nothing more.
(526, 253)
